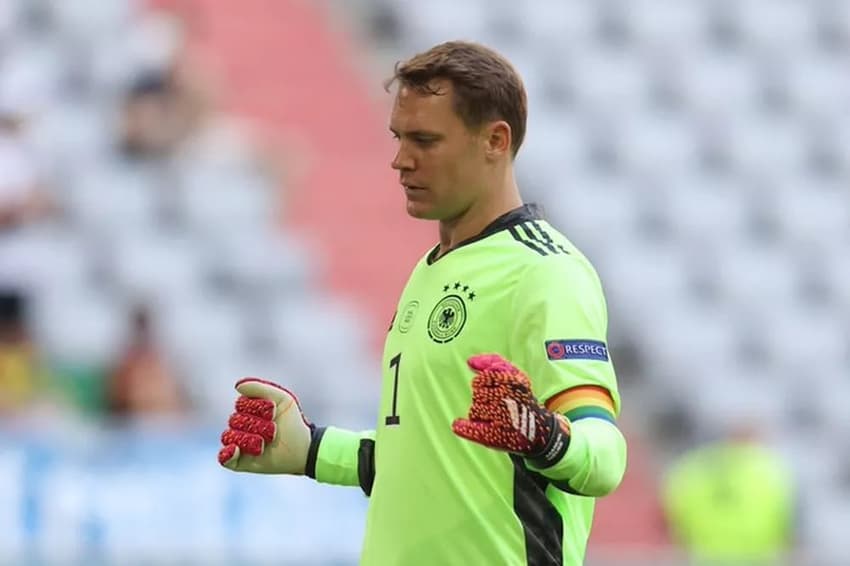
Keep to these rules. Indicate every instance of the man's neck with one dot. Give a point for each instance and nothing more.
(473, 221)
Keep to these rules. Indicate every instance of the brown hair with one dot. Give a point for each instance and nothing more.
(486, 85)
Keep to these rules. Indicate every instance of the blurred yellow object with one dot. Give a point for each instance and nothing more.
(19, 375)
(731, 503)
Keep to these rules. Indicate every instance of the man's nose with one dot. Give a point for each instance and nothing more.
(402, 161)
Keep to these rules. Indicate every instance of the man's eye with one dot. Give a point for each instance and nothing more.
(424, 142)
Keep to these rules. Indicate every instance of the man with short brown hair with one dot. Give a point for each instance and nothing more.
(512, 478)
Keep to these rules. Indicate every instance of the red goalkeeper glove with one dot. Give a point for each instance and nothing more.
(505, 415)
(268, 433)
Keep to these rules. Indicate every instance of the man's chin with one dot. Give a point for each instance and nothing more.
(421, 211)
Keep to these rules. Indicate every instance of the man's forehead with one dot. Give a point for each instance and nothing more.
(434, 87)
(412, 104)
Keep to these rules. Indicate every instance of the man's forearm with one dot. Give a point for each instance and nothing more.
(595, 461)
(342, 457)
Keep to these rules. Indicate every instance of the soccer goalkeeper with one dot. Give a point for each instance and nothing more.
(497, 423)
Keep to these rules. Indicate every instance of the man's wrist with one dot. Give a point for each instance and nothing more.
(556, 445)
(316, 434)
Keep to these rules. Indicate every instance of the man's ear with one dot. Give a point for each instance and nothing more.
(497, 139)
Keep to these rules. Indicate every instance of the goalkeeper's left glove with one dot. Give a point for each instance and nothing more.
(505, 415)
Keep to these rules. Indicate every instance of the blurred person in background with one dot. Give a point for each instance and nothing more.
(173, 112)
(22, 375)
(24, 203)
(731, 502)
(149, 130)
(209, 136)
(172, 122)
(143, 384)
(505, 479)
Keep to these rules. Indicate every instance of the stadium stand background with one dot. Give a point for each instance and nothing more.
(697, 151)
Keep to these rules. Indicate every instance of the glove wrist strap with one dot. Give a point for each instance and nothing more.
(555, 448)
(316, 434)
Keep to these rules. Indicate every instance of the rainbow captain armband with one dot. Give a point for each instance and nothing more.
(582, 402)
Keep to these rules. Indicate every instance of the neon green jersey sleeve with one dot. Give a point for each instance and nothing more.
(595, 461)
(560, 340)
(560, 325)
(342, 457)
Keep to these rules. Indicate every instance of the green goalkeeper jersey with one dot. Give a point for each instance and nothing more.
(519, 289)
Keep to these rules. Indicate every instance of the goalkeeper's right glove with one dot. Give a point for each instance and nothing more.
(268, 433)
(505, 415)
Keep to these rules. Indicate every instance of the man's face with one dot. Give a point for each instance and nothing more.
(147, 123)
(439, 160)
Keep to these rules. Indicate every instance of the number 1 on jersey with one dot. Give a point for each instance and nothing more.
(394, 419)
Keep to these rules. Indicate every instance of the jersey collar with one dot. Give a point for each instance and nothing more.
(524, 213)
